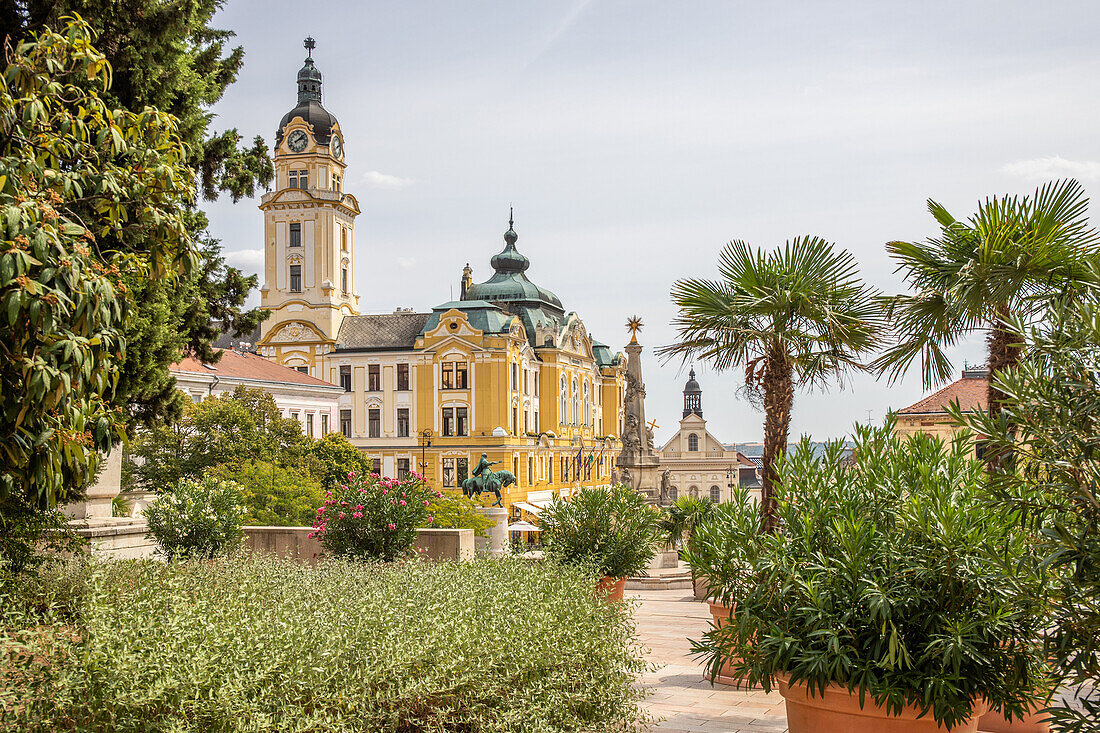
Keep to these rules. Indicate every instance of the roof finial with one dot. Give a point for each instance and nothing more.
(511, 224)
(310, 44)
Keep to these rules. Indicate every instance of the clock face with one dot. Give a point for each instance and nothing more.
(336, 146)
(297, 140)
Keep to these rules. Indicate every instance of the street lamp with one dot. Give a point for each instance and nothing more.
(729, 480)
(424, 438)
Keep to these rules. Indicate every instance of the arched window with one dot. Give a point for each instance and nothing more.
(564, 400)
(715, 494)
(673, 493)
(587, 406)
(576, 403)
(693, 442)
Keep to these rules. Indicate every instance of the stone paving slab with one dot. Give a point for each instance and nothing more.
(680, 697)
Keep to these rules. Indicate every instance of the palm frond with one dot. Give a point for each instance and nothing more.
(804, 299)
(1012, 255)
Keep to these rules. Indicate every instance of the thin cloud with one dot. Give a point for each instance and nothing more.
(376, 179)
(251, 260)
(1054, 166)
(539, 47)
(406, 263)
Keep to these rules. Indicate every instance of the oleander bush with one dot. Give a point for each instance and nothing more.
(611, 530)
(374, 517)
(892, 576)
(197, 518)
(255, 643)
(724, 545)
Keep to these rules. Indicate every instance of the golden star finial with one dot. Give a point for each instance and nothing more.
(634, 324)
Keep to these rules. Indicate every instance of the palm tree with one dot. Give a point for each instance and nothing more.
(796, 316)
(679, 520)
(1007, 261)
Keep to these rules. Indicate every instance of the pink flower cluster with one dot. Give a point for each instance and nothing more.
(356, 506)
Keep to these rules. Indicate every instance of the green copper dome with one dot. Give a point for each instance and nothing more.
(510, 289)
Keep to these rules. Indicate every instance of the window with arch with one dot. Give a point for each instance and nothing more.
(587, 406)
(564, 418)
(576, 403)
(715, 494)
(673, 493)
(693, 442)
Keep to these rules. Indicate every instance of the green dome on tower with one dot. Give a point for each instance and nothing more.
(510, 289)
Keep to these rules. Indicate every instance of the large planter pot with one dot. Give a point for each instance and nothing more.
(1033, 722)
(700, 587)
(721, 614)
(611, 589)
(838, 711)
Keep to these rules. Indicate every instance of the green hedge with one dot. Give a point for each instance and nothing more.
(253, 643)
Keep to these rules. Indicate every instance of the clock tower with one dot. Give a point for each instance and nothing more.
(309, 234)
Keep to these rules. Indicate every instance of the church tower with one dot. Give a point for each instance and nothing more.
(693, 396)
(309, 233)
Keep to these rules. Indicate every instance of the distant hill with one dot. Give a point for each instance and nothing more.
(756, 450)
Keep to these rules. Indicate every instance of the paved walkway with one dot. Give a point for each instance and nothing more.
(680, 697)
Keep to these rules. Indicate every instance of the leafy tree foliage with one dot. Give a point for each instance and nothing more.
(274, 495)
(796, 316)
(224, 430)
(167, 56)
(455, 510)
(73, 173)
(333, 457)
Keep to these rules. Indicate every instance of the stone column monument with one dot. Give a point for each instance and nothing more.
(638, 464)
(496, 544)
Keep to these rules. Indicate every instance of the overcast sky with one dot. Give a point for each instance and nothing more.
(635, 139)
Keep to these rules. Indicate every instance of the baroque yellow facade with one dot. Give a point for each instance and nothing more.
(505, 370)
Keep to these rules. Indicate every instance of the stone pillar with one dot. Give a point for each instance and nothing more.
(100, 496)
(638, 462)
(496, 544)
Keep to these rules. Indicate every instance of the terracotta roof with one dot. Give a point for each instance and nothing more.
(384, 331)
(241, 365)
(970, 392)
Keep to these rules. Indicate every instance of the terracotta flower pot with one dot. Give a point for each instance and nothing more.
(699, 588)
(838, 711)
(1033, 722)
(611, 588)
(721, 614)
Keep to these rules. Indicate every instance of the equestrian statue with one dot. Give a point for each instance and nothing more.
(485, 479)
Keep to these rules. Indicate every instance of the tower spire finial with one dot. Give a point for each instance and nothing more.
(310, 44)
(511, 223)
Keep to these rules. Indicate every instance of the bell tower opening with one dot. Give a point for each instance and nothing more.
(693, 396)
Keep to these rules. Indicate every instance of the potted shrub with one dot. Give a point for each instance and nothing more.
(720, 552)
(678, 523)
(891, 598)
(374, 517)
(611, 530)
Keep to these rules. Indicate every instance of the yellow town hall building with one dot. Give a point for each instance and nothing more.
(505, 370)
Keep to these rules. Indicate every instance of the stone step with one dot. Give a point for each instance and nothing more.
(669, 581)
